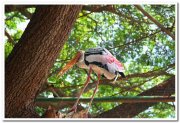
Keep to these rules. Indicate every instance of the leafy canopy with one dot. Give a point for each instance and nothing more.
(129, 35)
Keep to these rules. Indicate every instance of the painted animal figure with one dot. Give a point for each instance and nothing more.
(99, 60)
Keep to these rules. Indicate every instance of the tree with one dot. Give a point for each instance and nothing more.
(28, 65)
(141, 37)
(166, 88)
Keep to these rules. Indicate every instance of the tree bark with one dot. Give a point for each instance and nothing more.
(10, 40)
(129, 110)
(28, 65)
(12, 8)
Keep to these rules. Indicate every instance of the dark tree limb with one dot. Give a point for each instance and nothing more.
(9, 38)
(31, 59)
(109, 8)
(149, 74)
(97, 8)
(57, 92)
(155, 21)
(154, 73)
(12, 8)
(19, 8)
(26, 13)
(125, 110)
(164, 89)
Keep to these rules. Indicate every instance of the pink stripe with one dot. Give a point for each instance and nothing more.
(111, 59)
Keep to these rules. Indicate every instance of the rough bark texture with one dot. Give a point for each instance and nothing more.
(28, 65)
(12, 8)
(129, 110)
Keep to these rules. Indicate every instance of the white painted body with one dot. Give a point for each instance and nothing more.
(106, 59)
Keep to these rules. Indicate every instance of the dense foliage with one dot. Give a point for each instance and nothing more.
(129, 35)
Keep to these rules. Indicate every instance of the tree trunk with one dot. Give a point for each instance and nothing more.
(28, 65)
(129, 110)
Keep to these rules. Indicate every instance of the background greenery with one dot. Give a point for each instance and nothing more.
(129, 35)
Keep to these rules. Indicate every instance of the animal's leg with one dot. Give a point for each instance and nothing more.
(74, 108)
(115, 78)
(95, 90)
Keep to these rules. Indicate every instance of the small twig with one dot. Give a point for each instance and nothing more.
(96, 27)
(138, 40)
(56, 91)
(129, 88)
(9, 38)
(155, 21)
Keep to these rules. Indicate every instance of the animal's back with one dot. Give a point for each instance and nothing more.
(103, 62)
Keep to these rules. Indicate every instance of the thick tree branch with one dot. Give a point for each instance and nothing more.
(154, 73)
(97, 8)
(166, 88)
(155, 21)
(158, 72)
(27, 14)
(12, 8)
(109, 8)
(19, 8)
(57, 92)
(161, 92)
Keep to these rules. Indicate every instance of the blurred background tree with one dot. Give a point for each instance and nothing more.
(146, 49)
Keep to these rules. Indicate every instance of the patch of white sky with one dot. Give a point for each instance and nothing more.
(20, 26)
(50, 95)
(69, 79)
(23, 25)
